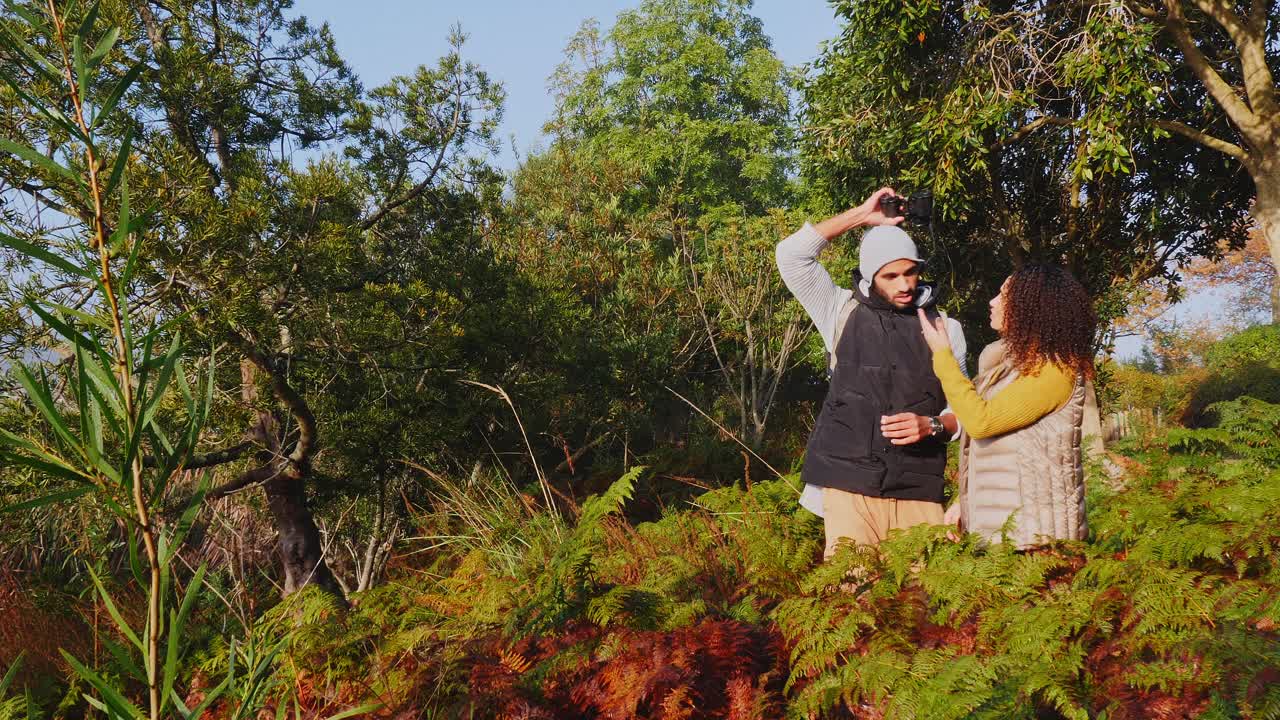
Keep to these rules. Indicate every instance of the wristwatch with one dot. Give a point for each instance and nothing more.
(935, 426)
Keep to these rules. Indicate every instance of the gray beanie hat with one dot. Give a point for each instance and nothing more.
(882, 245)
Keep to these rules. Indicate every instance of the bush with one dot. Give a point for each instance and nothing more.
(1244, 364)
(1258, 345)
(1129, 386)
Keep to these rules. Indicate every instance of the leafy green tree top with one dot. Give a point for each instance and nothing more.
(689, 89)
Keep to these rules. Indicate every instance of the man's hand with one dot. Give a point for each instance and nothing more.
(868, 213)
(935, 334)
(871, 212)
(905, 428)
(952, 518)
(952, 515)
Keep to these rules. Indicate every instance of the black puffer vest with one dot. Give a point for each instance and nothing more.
(884, 367)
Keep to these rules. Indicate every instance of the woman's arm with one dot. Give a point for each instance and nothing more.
(1022, 402)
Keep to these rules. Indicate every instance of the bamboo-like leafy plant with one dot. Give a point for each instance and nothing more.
(104, 436)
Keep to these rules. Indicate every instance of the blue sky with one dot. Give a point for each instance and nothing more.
(518, 43)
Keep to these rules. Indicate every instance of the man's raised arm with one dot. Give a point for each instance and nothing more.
(807, 279)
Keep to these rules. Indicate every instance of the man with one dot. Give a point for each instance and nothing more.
(876, 458)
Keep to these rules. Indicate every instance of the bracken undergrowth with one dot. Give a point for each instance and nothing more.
(720, 609)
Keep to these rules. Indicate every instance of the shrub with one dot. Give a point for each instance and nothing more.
(1129, 386)
(1256, 345)
(1244, 364)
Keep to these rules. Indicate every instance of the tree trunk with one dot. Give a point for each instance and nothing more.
(1266, 211)
(301, 551)
(284, 482)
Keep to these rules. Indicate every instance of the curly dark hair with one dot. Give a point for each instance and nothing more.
(1049, 317)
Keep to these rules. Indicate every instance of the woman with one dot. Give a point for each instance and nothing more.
(1020, 453)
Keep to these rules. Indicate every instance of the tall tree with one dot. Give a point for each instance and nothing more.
(332, 279)
(1044, 129)
(670, 141)
(692, 92)
(1231, 51)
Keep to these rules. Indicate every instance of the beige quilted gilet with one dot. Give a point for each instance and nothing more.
(1034, 473)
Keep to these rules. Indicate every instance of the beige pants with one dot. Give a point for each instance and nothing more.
(866, 520)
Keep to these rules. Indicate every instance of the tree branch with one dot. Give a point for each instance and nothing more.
(218, 457)
(177, 121)
(256, 476)
(37, 193)
(569, 460)
(1250, 40)
(414, 192)
(1022, 132)
(292, 400)
(1205, 139)
(421, 187)
(1222, 92)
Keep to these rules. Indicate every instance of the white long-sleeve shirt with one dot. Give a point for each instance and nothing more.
(822, 299)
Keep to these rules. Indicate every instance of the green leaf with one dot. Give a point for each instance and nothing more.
(209, 698)
(82, 316)
(181, 707)
(156, 394)
(170, 660)
(50, 499)
(110, 605)
(65, 329)
(363, 709)
(33, 57)
(140, 428)
(47, 257)
(135, 565)
(188, 518)
(104, 385)
(49, 464)
(131, 265)
(160, 439)
(123, 224)
(90, 415)
(192, 593)
(32, 19)
(126, 320)
(43, 400)
(10, 674)
(111, 697)
(89, 18)
(81, 66)
(209, 387)
(109, 105)
(117, 508)
(124, 659)
(104, 46)
(36, 158)
(177, 621)
(122, 160)
(53, 114)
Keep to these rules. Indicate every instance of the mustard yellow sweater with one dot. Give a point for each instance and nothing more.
(1022, 402)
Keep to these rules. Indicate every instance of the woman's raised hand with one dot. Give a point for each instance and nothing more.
(935, 333)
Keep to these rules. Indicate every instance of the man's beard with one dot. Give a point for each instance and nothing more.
(883, 296)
